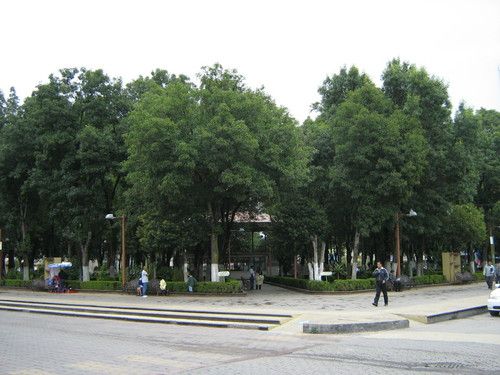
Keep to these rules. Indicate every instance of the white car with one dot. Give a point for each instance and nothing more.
(494, 301)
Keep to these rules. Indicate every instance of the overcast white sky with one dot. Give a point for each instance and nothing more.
(287, 46)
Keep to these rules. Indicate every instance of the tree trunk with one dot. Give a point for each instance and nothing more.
(111, 253)
(26, 263)
(471, 260)
(214, 249)
(311, 270)
(316, 266)
(420, 257)
(84, 249)
(348, 253)
(313, 266)
(185, 267)
(420, 266)
(355, 251)
(154, 263)
(12, 261)
(26, 268)
(214, 246)
(411, 265)
(322, 258)
(2, 264)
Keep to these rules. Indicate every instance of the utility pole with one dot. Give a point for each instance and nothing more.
(124, 264)
(1, 255)
(398, 247)
(492, 245)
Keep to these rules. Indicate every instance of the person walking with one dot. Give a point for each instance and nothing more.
(489, 274)
(381, 277)
(191, 283)
(252, 278)
(145, 282)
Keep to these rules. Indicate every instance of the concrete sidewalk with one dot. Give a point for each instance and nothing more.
(328, 313)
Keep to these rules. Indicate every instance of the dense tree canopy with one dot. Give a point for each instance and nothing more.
(180, 158)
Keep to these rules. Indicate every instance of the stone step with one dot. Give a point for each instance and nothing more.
(195, 318)
(155, 309)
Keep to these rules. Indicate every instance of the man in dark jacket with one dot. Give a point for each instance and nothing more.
(381, 277)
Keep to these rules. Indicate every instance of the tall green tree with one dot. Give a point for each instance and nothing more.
(414, 92)
(466, 228)
(335, 89)
(79, 148)
(488, 189)
(222, 145)
(379, 157)
(19, 198)
(467, 154)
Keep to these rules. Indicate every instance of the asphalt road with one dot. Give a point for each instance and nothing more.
(39, 344)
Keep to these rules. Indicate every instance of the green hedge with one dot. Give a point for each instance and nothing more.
(478, 276)
(230, 286)
(94, 284)
(176, 286)
(17, 283)
(300, 283)
(429, 279)
(312, 285)
(346, 284)
(359, 284)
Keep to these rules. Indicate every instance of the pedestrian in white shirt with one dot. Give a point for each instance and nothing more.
(145, 282)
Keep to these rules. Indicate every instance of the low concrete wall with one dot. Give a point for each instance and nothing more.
(355, 327)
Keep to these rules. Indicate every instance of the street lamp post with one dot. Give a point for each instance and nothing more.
(123, 256)
(1, 256)
(492, 246)
(398, 241)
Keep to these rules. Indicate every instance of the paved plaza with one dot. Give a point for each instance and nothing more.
(272, 298)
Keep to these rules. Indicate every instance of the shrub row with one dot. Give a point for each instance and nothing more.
(428, 279)
(478, 276)
(301, 283)
(359, 284)
(17, 283)
(318, 286)
(228, 287)
(346, 284)
(94, 285)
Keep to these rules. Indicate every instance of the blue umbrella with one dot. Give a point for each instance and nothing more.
(61, 265)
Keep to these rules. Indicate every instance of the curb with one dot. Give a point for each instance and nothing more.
(354, 327)
(448, 315)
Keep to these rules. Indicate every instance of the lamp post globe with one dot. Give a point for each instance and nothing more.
(123, 255)
(411, 213)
